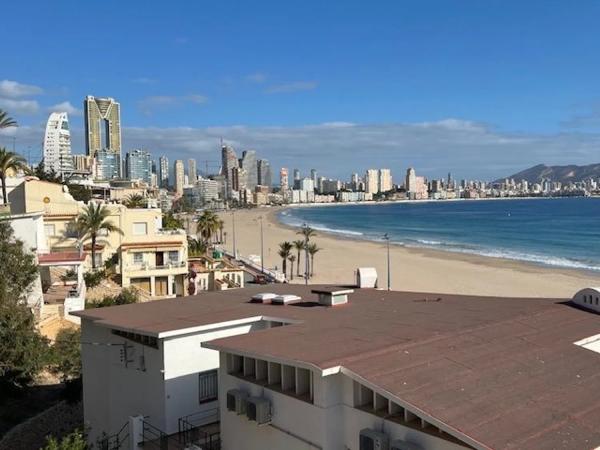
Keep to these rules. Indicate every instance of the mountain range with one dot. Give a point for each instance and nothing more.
(564, 174)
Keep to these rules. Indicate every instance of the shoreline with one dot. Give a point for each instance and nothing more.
(491, 261)
(412, 269)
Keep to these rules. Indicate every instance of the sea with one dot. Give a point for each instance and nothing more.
(557, 232)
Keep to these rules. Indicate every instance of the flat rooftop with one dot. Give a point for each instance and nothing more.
(503, 371)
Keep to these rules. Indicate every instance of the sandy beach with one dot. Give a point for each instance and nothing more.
(421, 270)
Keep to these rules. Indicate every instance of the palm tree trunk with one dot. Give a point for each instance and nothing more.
(93, 251)
(298, 265)
(312, 265)
(284, 266)
(291, 270)
(4, 194)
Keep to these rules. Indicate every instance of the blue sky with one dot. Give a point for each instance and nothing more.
(480, 88)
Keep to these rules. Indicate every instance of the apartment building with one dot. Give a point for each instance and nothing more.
(213, 274)
(320, 367)
(150, 258)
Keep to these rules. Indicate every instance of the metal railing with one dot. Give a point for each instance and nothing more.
(115, 441)
(146, 266)
(153, 437)
(190, 429)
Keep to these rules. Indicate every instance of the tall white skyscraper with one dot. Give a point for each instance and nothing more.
(163, 172)
(372, 181)
(179, 177)
(410, 184)
(385, 180)
(192, 172)
(57, 144)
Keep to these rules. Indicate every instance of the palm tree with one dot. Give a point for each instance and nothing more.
(91, 221)
(221, 224)
(298, 246)
(307, 232)
(291, 259)
(135, 201)
(284, 253)
(207, 225)
(6, 121)
(196, 247)
(312, 251)
(9, 161)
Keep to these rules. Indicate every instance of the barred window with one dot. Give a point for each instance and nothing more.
(208, 386)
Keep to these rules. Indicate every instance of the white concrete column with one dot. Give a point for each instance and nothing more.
(152, 286)
(170, 285)
(136, 432)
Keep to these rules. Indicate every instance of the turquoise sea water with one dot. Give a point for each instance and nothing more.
(555, 232)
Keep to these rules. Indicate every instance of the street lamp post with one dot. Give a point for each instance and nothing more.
(305, 255)
(233, 224)
(262, 254)
(387, 239)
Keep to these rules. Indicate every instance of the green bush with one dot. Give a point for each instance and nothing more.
(127, 296)
(73, 441)
(93, 278)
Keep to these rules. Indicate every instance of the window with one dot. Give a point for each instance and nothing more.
(138, 258)
(140, 228)
(208, 386)
(174, 256)
(50, 229)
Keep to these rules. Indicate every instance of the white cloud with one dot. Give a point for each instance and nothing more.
(257, 78)
(196, 98)
(153, 103)
(336, 149)
(14, 89)
(295, 86)
(65, 107)
(26, 107)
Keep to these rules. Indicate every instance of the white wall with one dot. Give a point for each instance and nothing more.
(331, 423)
(184, 359)
(112, 392)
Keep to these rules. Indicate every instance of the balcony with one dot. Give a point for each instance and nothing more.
(147, 269)
(170, 232)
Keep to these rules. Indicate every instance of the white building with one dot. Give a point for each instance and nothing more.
(57, 144)
(385, 180)
(407, 370)
(179, 177)
(372, 181)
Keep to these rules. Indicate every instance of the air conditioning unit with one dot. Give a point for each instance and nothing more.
(403, 445)
(258, 409)
(373, 440)
(236, 401)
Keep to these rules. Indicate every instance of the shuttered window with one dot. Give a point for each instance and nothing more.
(208, 386)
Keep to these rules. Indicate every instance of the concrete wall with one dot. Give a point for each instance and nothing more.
(330, 423)
(113, 392)
(184, 359)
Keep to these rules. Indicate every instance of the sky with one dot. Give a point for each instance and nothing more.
(482, 89)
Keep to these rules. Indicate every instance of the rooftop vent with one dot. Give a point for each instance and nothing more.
(588, 298)
(366, 277)
(265, 297)
(332, 296)
(285, 299)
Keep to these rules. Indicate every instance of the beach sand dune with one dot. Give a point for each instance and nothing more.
(421, 270)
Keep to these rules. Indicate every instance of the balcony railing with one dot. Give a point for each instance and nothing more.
(145, 266)
(171, 232)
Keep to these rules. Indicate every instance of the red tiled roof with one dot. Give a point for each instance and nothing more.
(60, 257)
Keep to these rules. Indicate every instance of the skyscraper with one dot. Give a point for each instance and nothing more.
(179, 176)
(284, 181)
(265, 176)
(138, 165)
(372, 181)
(192, 173)
(102, 125)
(248, 164)
(107, 165)
(385, 180)
(229, 162)
(313, 175)
(410, 185)
(57, 144)
(163, 172)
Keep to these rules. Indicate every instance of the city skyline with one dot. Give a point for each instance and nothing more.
(439, 100)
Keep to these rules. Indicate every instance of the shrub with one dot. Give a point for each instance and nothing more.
(93, 278)
(127, 296)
